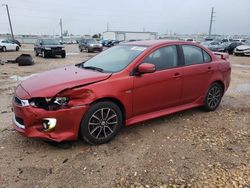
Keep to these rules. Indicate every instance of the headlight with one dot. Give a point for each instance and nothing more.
(47, 48)
(91, 45)
(100, 45)
(49, 103)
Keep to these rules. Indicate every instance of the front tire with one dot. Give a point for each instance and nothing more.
(4, 49)
(36, 53)
(213, 97)
(101, 123)
(44, 54)
(63, 55)
(17, 48)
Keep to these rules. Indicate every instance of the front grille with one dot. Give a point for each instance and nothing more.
(57, 49)
(18, 101)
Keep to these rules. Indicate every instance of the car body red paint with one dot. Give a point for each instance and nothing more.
(140, 97)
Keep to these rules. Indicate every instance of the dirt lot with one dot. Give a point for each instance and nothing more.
(187, 149)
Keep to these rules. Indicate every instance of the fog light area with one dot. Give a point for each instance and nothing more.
(49, 124)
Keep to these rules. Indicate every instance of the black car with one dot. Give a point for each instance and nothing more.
(225, 47)
(112, 43)
(14, 41)
(89, 45)
(49, 48)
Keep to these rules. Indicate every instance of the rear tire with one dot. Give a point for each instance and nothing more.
(101, 123)
(213, 97)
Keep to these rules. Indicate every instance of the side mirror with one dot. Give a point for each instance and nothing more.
(41, 43)
(146, 68)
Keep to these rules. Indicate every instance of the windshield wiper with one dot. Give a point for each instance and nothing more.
(93, 68)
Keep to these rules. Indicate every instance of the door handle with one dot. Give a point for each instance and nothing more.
(209, 69)
(177, 75)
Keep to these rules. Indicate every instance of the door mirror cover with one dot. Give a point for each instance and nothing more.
(146, 68)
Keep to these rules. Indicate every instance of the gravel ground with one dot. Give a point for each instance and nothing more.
(187, 149)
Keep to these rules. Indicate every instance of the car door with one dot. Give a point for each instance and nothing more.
(198, 70)
(161, 89)
(6, 44)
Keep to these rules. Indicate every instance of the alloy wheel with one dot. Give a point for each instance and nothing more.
(214, 96)
(103, 123)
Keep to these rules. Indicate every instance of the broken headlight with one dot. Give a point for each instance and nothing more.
(49, 103)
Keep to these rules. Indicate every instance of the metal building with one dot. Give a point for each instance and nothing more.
(129, 35)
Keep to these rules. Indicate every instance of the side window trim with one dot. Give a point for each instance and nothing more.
(204, 57)
(177, 53)
(202, 52)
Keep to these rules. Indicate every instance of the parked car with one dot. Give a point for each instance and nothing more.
(105, 42)
(89, 45)
(225, 47)
(210, 43)
(49, 48)
(112, 43)
(123, 85)
(7, 45)
(243, 49)
(14, 41)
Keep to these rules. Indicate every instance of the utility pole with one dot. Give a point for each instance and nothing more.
(7, 8)
(211, 23)
(107, 26)
(60, 23)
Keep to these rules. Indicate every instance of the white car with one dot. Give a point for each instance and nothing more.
(6, 45)
(243, 49)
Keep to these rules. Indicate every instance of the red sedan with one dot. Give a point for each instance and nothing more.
(123, 85)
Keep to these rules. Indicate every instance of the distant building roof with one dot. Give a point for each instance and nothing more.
(131, 32)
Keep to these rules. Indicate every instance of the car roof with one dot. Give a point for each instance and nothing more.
(156, 42)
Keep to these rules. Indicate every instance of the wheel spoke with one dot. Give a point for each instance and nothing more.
(112, 123)
(97, 127)
(99, 132)
(107, 115)
(94, 116)
(109, 129)
(111, 117)
(102, 113)
(105, 135)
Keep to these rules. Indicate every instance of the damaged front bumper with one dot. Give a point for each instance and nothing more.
(30, 121)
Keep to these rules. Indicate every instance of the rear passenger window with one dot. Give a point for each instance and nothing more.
(206, 57)
(163, 58)
(192, 54)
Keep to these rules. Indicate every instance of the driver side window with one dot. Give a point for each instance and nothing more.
(163, 58)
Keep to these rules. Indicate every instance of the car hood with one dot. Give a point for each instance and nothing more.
(50, 83)
(243, 47)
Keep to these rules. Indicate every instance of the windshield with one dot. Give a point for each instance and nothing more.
(115, 59)
(92, 41)
(50, 42)
(247, 42)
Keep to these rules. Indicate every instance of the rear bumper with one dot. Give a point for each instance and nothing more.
(28, 121)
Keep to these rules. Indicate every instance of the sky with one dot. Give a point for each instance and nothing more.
(90, 17)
